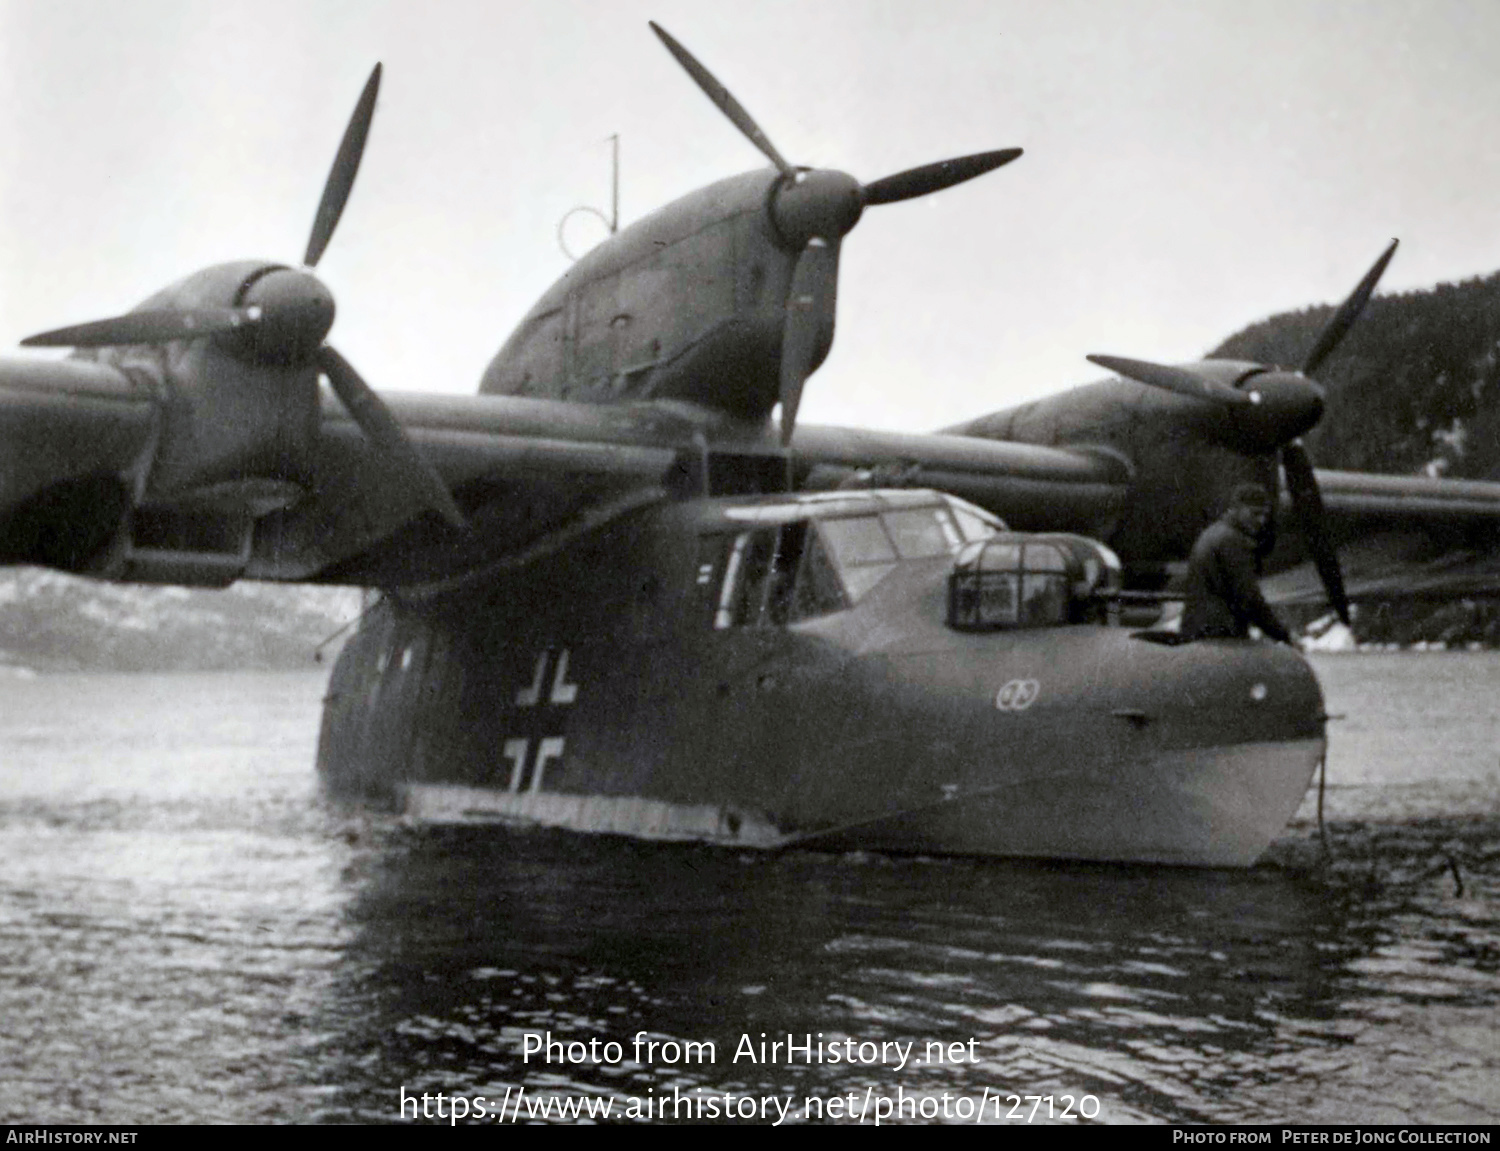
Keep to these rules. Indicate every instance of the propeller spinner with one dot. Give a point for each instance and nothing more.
(281, 316)
(1278, 406)
(811, 212)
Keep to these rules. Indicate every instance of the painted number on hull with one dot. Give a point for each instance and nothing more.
(1017, 694)
(555, 690)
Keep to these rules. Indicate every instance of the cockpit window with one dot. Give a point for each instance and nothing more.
(972, 527)
(866, 548)
(780, 571)
(857, 540)
(776, 576)
(819, 591)
(1003, 584)
(861, 551)
(921, 532)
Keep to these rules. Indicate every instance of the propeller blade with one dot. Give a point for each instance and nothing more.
(810, 311)
(1338, 327)
(377, 422)
(1307, 502)
(154, 327)
(722, 98)
(1179, 380)
(341, 176)
(935, 177)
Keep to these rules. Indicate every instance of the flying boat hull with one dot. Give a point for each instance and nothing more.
(624, 701)
(1214, 807)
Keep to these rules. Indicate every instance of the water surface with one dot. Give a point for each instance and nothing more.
(187, 933)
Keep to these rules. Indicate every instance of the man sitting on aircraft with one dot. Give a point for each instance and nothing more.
(1223, 590)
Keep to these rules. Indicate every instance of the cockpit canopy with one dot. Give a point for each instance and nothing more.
(814, 554)
(799, 557)
(1015, 580)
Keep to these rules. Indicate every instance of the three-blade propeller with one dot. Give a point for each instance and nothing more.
(146, 327)
(811, 212)
(280, 317)
(1292, 404)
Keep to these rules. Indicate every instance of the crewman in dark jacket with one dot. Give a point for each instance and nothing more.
(1223, 585)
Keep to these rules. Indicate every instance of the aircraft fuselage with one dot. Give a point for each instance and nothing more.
(770, 671)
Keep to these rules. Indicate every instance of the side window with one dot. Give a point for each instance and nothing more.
(819, 590)
(989, 596)
(743, 576)
(771, 602)
(918, 533)
(861, 550)
(971, 525)
(1044, 587)
(1009, 584)
(776, 576)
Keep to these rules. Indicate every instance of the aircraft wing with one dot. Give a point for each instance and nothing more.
(1031, 487)
(535, 470)
(75, 440)
(1354, 499)
(1403, 538)
(78, 441)
(1389, 569)
(462, 433)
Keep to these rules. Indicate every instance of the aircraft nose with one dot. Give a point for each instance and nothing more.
(1240, 691)
(820, 202)
(1091, 743)
(1223, 738)
(1236, 735)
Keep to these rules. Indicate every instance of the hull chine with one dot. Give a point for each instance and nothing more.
(1203, 807)
(634, 816)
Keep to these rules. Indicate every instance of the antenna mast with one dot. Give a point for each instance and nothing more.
(614, 188)
(612, 221)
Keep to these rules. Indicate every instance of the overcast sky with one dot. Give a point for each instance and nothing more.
(1190, 166)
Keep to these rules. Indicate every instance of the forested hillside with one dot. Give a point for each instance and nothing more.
(1415, 388)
